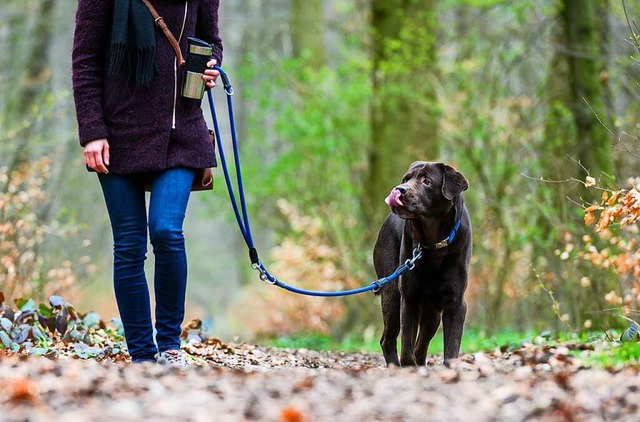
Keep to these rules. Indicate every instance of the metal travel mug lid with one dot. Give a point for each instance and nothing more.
(198, 46)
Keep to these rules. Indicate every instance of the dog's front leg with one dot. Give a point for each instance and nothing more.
(453, 317)
(409, 317)
(391, 318)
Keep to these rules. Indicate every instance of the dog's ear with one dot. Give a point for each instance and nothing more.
(453, 182)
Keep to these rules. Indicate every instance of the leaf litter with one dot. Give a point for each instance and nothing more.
(57, 375)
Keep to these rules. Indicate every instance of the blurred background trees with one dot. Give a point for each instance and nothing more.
(334, 100)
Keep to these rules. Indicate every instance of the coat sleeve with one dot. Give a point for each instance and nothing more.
(93, 26)
(207, 26)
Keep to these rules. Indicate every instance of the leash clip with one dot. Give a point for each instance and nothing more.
(417, 254)
(263, 274)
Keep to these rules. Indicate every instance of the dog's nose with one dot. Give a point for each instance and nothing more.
(401, 189)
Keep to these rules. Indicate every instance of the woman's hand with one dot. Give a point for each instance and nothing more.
(96, 155)
(210, 75)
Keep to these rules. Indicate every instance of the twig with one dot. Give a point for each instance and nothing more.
(555, 303)
(607, 334)
(542, 179)
(613, 135)
(628, 319)
(570, 179)
(633, 34)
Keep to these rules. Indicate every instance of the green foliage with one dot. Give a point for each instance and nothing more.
(474, 340)
(56, 329)
(614, 356)
(307, 138)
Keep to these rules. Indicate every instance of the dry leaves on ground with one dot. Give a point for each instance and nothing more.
(238, 382)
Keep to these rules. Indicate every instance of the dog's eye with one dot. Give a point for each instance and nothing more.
(426, 182)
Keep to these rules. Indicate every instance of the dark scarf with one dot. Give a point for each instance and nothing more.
(133, 40)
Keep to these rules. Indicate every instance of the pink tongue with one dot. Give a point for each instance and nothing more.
(393, 200)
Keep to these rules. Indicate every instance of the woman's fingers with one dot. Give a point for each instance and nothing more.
(105, 154)
(89, 160)
(96, 155)
(210, 75)
(100, 167)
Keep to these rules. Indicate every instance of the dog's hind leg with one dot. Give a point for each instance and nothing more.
(429, 323)
(391, 317)
(453, 324)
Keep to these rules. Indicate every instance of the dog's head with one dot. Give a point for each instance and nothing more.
(427, 190)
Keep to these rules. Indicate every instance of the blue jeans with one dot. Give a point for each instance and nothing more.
(125, 199)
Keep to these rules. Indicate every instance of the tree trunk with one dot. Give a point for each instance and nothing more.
(585, 70)
(404, 120)
(306, 30)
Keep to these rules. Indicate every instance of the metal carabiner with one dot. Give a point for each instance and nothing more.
(417, 253)
(410, 264)
(263, 274)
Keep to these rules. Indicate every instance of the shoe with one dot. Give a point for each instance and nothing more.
(172, 358)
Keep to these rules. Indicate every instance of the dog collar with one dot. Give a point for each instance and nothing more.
(446, 242)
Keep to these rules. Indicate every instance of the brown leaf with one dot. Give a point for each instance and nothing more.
(304, 384)
(23, 390)
(449, 376)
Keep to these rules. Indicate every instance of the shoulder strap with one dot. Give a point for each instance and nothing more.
(165, 29)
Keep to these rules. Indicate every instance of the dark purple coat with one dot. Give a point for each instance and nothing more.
(148, 128)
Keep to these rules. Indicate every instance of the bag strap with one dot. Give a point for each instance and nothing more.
(165, 29)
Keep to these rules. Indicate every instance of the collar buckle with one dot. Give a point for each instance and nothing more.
(446, 242)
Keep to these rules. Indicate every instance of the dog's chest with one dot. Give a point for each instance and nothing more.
(428, 275)
(432, 261)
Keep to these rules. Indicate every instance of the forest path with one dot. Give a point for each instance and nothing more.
(247, 382)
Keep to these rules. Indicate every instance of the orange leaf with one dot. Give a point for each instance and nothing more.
(605, 219)
(613, 198)
(592, 208)
(589, 218)
(289, 414)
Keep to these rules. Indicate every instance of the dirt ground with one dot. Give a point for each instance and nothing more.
(246, 383)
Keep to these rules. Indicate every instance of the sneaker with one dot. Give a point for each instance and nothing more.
(172, 358)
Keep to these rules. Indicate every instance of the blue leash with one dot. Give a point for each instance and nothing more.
(243, 219)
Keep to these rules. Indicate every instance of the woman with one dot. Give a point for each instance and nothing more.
(137, 129)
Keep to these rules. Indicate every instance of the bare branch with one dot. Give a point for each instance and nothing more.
(613, 135)
(633, 34)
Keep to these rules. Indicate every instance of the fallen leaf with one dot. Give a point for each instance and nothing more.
(290, 414)
(23, 390)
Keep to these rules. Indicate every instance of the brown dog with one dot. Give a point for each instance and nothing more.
(428, 213)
